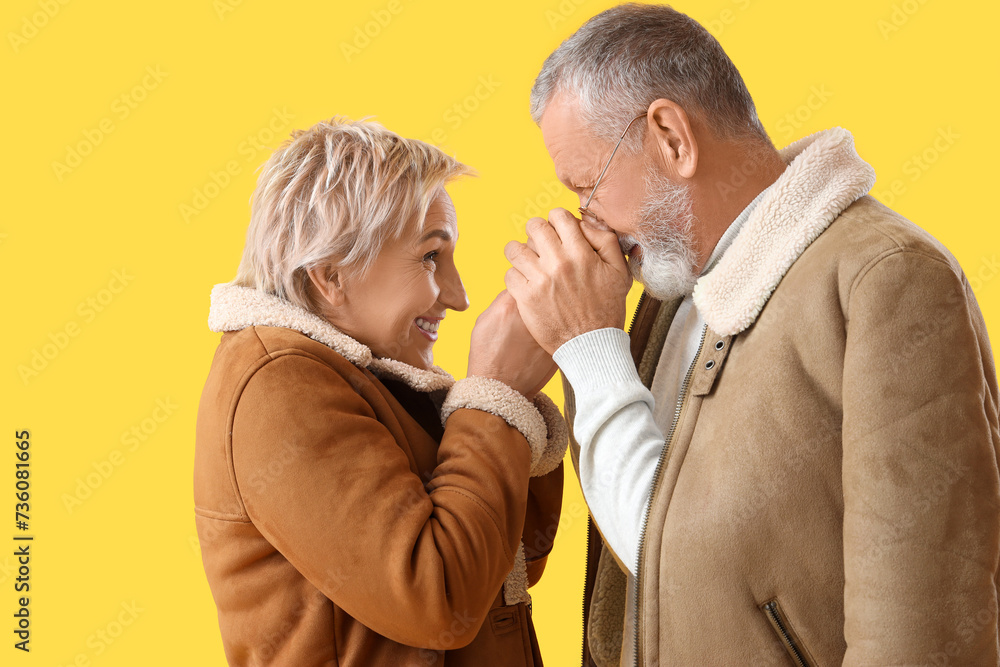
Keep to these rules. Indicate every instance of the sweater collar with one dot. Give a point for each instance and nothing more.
(234, 307)
(825, 175)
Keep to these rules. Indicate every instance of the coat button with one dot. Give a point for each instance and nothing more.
(710, 364)
(721, 344)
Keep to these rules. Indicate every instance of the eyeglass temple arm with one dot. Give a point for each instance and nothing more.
(608, 163)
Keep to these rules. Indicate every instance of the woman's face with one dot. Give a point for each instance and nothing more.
(397, 308)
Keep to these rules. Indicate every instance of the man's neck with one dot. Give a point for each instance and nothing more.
(723, 193)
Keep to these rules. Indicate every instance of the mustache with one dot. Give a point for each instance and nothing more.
(626, 243)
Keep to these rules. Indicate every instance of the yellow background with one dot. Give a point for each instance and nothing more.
(897, 74)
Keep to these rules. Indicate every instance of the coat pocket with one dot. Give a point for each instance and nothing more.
(503, 640)
(786, 634)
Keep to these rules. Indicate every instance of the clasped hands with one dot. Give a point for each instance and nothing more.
(569, 278)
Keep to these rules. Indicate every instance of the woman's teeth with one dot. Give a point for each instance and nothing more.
(430, 327)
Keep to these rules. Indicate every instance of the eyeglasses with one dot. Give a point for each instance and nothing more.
(584, 210)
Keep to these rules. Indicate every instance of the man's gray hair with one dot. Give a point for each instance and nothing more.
(626, 57)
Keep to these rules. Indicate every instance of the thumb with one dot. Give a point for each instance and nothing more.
(605, 243)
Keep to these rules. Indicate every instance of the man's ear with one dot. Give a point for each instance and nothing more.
(671, 129)
(328, 283)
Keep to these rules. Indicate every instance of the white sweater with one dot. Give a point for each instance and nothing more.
(620, 424)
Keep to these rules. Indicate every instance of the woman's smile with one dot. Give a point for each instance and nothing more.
(428, 326)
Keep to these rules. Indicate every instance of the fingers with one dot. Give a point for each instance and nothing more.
(542, 236)
(522, 258)
(515, 282)
(562, 231)
(568, 228)
(486, 313)
(605, 243)
(597, 224)
(501, 296)
(502, 301)
(532, 245)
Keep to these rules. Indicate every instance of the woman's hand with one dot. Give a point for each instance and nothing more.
(502, 349)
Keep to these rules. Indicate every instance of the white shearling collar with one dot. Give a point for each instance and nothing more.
(824, 176)
(234, 307)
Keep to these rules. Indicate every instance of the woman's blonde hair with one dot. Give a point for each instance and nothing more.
(336, 194)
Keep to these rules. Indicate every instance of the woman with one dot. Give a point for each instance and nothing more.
(355, 504)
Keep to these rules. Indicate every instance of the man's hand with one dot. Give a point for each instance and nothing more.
(570, 278)
(503, 349)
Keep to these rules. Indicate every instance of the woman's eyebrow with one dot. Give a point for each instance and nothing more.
(443, 234)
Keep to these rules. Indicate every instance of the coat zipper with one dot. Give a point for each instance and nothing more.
(772, 611)
(656, 479)
(586, 571)
(586, 561)
(635, 315)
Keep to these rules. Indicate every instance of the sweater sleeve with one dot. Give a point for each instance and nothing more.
(329, 486)
(619, 439)
(920, 483)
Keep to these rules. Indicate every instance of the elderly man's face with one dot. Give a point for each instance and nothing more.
(579, 158)
(651, 214)
(396, 309)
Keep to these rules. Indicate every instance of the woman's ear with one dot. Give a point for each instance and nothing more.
(328, 284)
(675, 141)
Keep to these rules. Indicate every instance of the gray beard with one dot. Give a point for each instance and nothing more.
(667, 266)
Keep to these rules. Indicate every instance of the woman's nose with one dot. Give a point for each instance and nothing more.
(452, 294)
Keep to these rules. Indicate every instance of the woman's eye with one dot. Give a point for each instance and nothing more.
(431, 256)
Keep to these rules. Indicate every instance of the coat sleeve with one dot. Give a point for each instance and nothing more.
(327, 484)
(541, 520)
(920, 479)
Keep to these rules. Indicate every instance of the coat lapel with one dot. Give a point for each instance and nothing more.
(825, 175)
(234, 307)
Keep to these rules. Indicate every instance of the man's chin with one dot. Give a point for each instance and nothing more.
(664, 283)
(664, 293)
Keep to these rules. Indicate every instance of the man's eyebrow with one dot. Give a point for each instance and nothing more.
(568, 181)
(579, 178)
(443, 234)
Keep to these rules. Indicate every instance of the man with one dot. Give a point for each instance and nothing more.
(791, 458)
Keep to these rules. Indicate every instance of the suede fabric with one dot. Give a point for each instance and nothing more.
(339, 525)
(830, 494)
